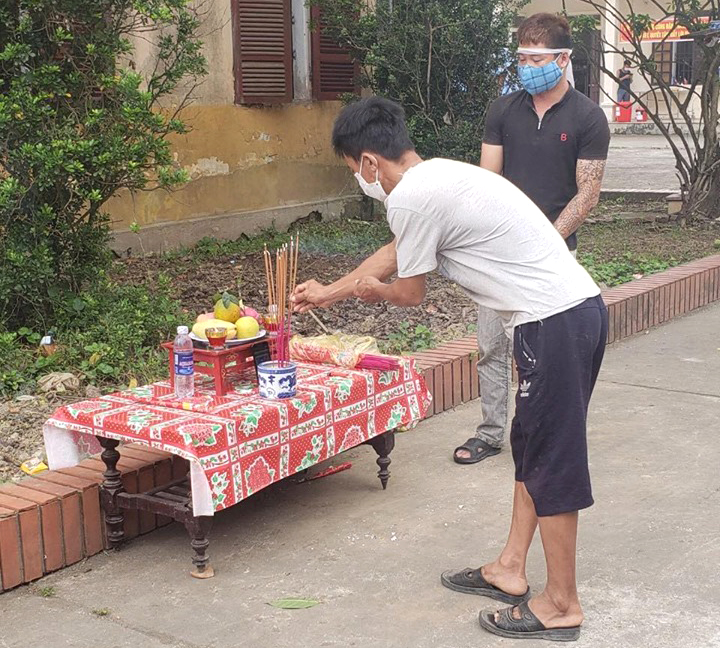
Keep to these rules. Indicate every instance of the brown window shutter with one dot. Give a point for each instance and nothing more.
(263, 60)
(333, 71)
(662, 56)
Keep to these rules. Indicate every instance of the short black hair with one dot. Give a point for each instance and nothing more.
(376, 125)
(627, 62)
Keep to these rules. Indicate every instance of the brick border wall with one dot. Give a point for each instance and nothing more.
(639, 305)
(54, 520)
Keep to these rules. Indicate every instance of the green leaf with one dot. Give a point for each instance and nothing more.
(293, 604)
(228, 299)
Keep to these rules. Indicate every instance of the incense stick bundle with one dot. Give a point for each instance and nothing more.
(294, 252)
(269, 278)
(377, 362)
(281, 285)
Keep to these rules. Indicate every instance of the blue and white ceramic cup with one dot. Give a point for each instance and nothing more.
(277, 380)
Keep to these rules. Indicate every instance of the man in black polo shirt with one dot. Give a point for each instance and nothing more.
(551, 141)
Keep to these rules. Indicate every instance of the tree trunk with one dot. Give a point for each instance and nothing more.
(703, 199)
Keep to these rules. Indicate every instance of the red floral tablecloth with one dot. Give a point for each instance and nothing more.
(240, 443)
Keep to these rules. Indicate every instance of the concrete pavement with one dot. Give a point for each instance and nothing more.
(649, 548)
(640, 162)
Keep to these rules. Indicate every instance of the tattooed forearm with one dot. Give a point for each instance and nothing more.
(589, 175)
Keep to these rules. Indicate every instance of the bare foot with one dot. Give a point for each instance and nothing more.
(462, 454)
(552, 614)
(510, 579)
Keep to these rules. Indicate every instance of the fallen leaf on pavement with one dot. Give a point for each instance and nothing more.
(293, 604)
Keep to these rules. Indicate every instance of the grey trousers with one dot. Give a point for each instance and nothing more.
(494, 374)
(494, 369)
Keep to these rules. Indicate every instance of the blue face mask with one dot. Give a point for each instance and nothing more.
(540, 79)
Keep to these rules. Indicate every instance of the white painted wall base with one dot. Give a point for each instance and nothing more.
(168, 236)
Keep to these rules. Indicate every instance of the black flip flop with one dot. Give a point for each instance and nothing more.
(528, 626)
(478, 450)
(471, 581)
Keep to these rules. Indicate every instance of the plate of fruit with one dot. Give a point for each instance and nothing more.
(241, 323)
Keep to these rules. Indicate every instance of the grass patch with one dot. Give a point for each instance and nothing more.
(46, 592)
(408, 338)
(346, 237)
(101, 612)
(106, 336)
(619, 271)
(614, 252)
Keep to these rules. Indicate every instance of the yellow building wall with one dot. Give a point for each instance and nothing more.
(249, 166)
(242, 159)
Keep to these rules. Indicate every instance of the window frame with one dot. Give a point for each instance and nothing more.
(318, 58)
(665, 56)
(255, 56)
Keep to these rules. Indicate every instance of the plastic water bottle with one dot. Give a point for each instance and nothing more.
(184, 366)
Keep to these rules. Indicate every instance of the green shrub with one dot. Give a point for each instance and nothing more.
(77, 125)
(443, 60)
(113, 334)
(20, 361)
(407, 339)
(106, 336)
(622, 269)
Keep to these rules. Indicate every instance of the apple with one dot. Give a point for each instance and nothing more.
(251, 312)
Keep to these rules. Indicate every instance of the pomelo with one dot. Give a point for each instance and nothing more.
(228, 308)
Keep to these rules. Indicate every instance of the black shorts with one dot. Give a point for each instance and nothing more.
(558, 361)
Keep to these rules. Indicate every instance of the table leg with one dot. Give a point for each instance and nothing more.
(383, 445)
(218, 369)
(199, 529)
(111, 487)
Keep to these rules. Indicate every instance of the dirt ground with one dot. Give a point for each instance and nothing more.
(447, 311)
(21, 424)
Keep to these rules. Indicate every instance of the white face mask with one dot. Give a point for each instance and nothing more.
(371, 189)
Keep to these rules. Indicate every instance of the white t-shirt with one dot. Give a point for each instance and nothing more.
(483, 233)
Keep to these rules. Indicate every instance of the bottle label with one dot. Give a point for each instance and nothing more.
(184, 365)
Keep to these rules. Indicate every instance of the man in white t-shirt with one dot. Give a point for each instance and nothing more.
(477, 229)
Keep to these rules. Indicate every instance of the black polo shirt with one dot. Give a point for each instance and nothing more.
(540, 157)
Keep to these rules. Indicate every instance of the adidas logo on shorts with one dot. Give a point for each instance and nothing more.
(525, 388)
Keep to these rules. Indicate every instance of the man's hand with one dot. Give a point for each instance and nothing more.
(368, 289)
(409, 291)
(309, 295)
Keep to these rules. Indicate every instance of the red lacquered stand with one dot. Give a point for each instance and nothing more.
(223, 364)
